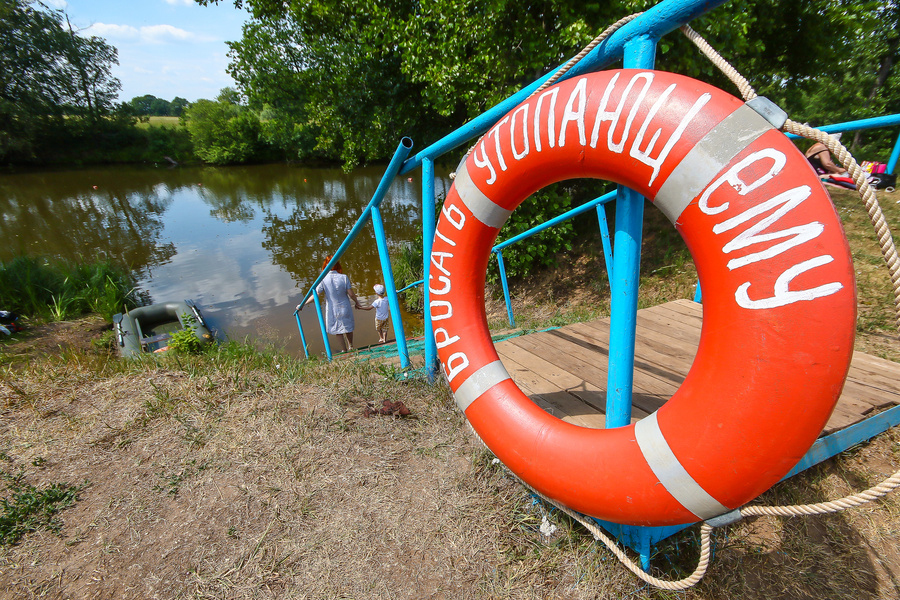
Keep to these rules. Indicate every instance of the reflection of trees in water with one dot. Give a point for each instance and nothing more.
(119, 220)
(322, 218)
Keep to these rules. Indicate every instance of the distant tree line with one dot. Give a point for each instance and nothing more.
(151, 106)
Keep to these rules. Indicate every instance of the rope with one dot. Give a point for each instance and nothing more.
(867, 194)
(888, 251)
(681, 584)
(584, 52)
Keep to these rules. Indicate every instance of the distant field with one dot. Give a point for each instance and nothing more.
(160, 122)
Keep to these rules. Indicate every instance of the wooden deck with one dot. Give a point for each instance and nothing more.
(564, 370)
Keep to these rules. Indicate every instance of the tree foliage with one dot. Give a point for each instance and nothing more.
(223, 131)
(149, 105)
(345, 80)
(50, 78)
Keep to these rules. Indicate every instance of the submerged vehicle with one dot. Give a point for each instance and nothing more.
(147, 329)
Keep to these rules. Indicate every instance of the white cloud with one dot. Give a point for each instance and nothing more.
(151, 34)
(180, 2)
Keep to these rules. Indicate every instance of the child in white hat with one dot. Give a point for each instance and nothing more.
(382, 312)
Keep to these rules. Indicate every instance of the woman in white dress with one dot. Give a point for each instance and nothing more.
(339, 304)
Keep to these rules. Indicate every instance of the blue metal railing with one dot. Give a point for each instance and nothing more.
(570, 214)
(373, 213)
(872, 123)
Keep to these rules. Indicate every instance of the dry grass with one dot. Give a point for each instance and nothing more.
(245, 475)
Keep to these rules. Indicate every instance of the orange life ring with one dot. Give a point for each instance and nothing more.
(778, 289)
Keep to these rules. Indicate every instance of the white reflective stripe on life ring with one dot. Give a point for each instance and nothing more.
(483, 208)
(707, 159)
(671, 473)
(479, 382)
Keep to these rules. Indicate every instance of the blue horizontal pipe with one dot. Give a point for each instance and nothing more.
(871, 123)
(412, 285)
(556, 220)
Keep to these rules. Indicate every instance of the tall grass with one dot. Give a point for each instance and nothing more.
(59, 290)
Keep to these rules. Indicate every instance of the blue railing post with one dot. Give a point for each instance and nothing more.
(607, 245)
(892, 161)
(432, 365)
(321, 323)
(640, 53)
(502, 267)
(387, 272)
(302, 337)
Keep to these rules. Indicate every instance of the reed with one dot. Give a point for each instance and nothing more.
(48, 290)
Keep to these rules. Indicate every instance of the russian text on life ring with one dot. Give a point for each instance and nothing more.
(778, 291)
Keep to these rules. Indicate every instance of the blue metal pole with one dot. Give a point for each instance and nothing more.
(412, 285)
(432, 364)
(321, 323)
(640, 53)
(607, 244)
(302, 337)
(393, 300)
(502, 267)
(556, 220)
(892, 162)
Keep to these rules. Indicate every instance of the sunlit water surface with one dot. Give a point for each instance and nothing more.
(244, 242)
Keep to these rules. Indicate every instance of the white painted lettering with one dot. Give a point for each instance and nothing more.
(644, 155)
(440, 304)
(601, 110)
(450, 211)
(783, 295)
(449, 242)
(579, 94)
(437, 259)
(512, 132)
(752, 235)
(613, 117)
(484, 162)
(452, 370)
(733, 177)
(442, 279)
(443, 339)
(551, 119)
(496, 133)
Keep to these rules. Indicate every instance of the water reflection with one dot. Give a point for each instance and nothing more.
(245, 242)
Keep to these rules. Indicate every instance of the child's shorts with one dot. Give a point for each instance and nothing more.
(381, 325)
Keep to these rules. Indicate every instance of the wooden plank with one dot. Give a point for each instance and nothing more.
(885, 370)
(655, 386)
(589, 362)
(549, 397)
(649, 362)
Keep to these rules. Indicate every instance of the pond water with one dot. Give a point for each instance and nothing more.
(244, 242)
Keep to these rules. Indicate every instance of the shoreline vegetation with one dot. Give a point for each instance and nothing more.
(246, 473)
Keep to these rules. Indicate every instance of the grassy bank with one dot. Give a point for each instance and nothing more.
(246, 474)
(56, 290)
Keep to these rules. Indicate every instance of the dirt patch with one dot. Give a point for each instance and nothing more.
(45, 339)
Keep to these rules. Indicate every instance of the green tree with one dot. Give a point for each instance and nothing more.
(50, 77)
(223, 131)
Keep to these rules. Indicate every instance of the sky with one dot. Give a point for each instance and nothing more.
(167, 48)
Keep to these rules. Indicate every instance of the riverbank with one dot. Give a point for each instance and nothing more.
(240, 474)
